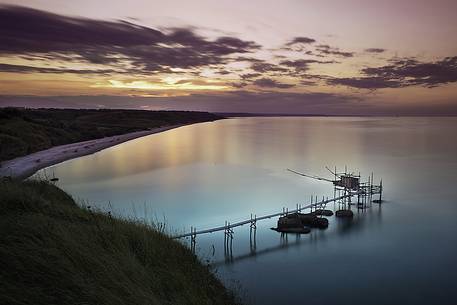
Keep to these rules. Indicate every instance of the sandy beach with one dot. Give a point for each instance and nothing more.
(26, 166)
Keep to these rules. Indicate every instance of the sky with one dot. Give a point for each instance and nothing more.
(352, 57)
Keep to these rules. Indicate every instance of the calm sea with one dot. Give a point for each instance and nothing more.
(403, 251)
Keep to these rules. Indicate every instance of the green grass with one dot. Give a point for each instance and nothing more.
(24, 131)
(54, 252)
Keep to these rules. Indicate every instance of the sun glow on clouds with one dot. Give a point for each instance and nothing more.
(44, 56)
(168, 84)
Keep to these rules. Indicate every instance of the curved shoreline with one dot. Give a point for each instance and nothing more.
(26, 166)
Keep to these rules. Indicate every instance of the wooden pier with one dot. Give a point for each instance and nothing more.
(346, 187)
(254, 219)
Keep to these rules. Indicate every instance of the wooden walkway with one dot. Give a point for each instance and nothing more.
(228, 226)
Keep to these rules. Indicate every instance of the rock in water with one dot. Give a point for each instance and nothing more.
(321, 212)
(320, 222)
(303, 230)
(344, 213)
(289, 222)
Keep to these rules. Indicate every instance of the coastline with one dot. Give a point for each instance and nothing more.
(25, 166)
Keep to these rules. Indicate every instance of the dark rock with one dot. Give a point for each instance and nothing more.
(289, 222)
(320, 222)
(301, 230)
(344, 213)
(301, 219)
(321, 212)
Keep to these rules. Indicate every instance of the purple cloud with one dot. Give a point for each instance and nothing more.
(38, 34)
(301, 40)
(324, 50)
(271, 83)
(404, 73)
(375, 50)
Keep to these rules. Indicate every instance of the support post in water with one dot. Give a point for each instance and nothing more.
(252, 234)
(359, 204)
(253, 225)
(371, 188)
(228, 239)
(380, 191)
(193, 239)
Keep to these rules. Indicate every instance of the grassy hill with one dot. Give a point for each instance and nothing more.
(54, 252)
(24, 131)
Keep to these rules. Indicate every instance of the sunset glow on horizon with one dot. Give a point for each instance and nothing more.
(327, 57)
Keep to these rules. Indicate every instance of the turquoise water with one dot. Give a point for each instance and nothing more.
(400, 252)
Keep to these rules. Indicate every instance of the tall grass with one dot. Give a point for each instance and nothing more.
(54, 252)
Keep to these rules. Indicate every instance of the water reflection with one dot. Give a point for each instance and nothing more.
(206, 174)
(371, 216)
